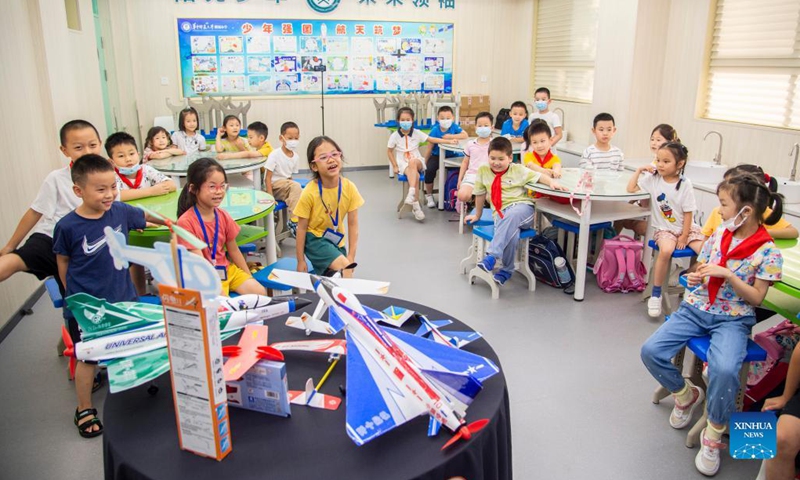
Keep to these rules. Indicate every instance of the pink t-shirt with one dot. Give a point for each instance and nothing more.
(478, 155)
(228, 230)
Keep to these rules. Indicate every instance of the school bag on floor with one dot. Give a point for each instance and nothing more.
(619, 266)
(542, 252)
(451, 189)
(763, 377)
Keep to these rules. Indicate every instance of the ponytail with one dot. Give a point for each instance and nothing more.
(747, 189)
(777, 207)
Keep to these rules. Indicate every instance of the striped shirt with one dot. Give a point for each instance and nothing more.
(610, 160)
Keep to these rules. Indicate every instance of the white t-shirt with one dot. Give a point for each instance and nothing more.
(610, 160)
(406, 143)
(189, 144)
(55, 199)
(552, 119)
(281, 165)
(667, 204)
(150, 177)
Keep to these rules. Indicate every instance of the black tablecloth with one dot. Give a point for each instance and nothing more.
(141, 440)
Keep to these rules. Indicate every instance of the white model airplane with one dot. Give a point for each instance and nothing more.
(430, 329)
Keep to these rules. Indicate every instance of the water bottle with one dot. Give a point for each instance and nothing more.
(562, 271)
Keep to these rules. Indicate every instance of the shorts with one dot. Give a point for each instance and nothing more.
(236, 277)
(321, 252)
(402, 164)
(75, 333)
(792, 407)
(469, 179)
(694, 234)
(38, 255)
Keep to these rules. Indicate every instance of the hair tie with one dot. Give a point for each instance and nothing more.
(767, 178)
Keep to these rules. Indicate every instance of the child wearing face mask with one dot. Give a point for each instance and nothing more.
(476, 153)
(445, 128)
(541, 101)
(280, 166)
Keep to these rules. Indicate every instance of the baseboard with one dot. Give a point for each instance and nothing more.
(22, 312)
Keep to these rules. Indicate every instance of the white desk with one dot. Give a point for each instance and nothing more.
(177, 167)
(607, 203)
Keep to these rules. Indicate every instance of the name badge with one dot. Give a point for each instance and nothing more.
(333, 236)
(222, 272)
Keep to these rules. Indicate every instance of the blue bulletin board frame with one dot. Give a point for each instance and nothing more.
(276, 57)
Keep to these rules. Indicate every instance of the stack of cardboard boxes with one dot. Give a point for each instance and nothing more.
(472, 105)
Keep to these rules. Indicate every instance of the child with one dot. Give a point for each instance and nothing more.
(738, 264)
(541, 100)
(514, 127)
(476, 153)
(158, 145)
(448, 130)
(672, 205)
(782, 466)
(513, 208)
(281, 164)
(255, 146)
(403, 153)
(85, 264)
(187, 138)
(134, 180)
(781, 228)
(54, 200)
(602, 155)
(228, 139)
(199, 213)
(323, 206)
(538, 154)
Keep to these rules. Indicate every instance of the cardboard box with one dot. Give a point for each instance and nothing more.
(472, 105)
(263, 388)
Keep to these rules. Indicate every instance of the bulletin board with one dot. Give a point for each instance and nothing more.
(267, 57)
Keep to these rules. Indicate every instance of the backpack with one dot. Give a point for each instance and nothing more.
(619, 267)
(764, 377)
(542, 252)
(450, 189)
(503, 115)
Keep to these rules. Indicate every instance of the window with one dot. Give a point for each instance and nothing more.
(566, 44)
(73, 14)
(754, 63)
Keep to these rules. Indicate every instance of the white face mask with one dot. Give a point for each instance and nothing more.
(483, 132)
(292, 144)
(445, 124)
(731, 224)
(540, 105)
(130, 170)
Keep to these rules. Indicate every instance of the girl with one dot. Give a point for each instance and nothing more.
(321, 211)
(672, 203)
(781, 228)
(738, 264)
(187, 138)
(476, 153)
(403, 153)
(514, 127)
(228, 139)
(199, 212)
(159, 145)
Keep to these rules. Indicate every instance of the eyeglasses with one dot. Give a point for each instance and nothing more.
(326, 156)
(216, 188)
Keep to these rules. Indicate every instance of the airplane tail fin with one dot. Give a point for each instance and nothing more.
(307, 322)
(463, 387)
(433, 426)
(98, 318)
(310, 397)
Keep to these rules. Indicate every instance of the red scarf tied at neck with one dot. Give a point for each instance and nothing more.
(136, 183)
(497, 191)
(745, 249)
(543, 161)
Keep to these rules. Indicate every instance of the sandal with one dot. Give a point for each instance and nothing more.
(84, 429)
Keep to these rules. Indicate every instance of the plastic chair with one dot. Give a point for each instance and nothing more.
(667, 291)
(168, 122)
(485, 234)
(403, 206)
(572, 230)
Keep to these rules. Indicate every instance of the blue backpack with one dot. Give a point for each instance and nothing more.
(450, 190)
(542, 252)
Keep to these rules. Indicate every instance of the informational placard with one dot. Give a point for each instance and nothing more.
(198, 386)
(259, 57)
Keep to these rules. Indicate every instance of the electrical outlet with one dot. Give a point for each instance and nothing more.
(164, 81)
(484, 79)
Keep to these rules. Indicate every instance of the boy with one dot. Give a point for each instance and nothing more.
(514, 127)
(54, 200)
(513, 208)
(602, 155)
(85, 264)
(446, 128)
(541, 101)
(257, 133)
(541, 159)
(281, 164)
(134, 180)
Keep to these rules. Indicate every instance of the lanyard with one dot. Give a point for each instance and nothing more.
(205, 235)
(335, 221)
(136, 183)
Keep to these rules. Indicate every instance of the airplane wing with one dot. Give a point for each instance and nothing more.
(463, 338)
(254, 336)
(135, 370)
(356, 286)
(396, 316)
(425, 329)
(338, 346)
(312, 398)
(374, 404)
(98, 318)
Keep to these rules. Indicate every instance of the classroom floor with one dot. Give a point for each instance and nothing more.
(580, 396)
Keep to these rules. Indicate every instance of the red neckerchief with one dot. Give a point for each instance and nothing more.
(547, 158)
(748, 247)
(127, 182)
(497, 191)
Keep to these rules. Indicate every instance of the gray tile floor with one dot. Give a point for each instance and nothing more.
(580, 397)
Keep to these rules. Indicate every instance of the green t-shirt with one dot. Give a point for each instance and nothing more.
(513, 181)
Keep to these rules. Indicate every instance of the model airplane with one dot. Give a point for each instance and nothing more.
(393, 376)
(430, 329)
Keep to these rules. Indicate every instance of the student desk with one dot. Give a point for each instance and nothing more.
(784, 296)
(611, 198)
(177, 167)
(243, 204)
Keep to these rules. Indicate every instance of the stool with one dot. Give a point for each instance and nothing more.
(285, 263)
(281, 232)
(402, 206)
(572, 230)
(485, 234)
(666, 289)
(487, 219)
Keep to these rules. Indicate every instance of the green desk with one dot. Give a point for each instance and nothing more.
(243, 204)
(784, 297)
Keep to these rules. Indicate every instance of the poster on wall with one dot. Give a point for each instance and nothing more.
(258, 57)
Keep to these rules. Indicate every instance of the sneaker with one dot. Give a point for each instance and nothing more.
(707, 459)
(410, 197)
(487, 264)
(682, 414)
(654, 307)
(429, 201)
(417, 211)
(292, 226)
(501, 277)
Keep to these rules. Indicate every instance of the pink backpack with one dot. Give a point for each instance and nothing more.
(619, 266)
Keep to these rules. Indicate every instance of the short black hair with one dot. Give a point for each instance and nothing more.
(519, 104)
(536, 127)
(444, 108)
(485, 115)
(87, 165)
(603, 117)
(287, 126)
(260, 128)
(75, 125)
(501, 144)
(117, 139)
(543, 90)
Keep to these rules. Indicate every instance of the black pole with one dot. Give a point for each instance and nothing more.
(322, 95)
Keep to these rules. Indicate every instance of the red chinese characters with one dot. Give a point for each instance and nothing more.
(307, 29)
(287, 29)
(396, 30)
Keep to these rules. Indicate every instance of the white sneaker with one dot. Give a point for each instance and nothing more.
(654, 307)
(682, 414)
(410, 197)
(417, 211)
(429, 201)
(707, 459)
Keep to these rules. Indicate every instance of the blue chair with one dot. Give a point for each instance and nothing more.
(285, 263)
(667, 290)
(482, 236)
(402, 206)
(572, 229)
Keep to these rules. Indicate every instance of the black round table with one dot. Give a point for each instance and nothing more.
(141, 440)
